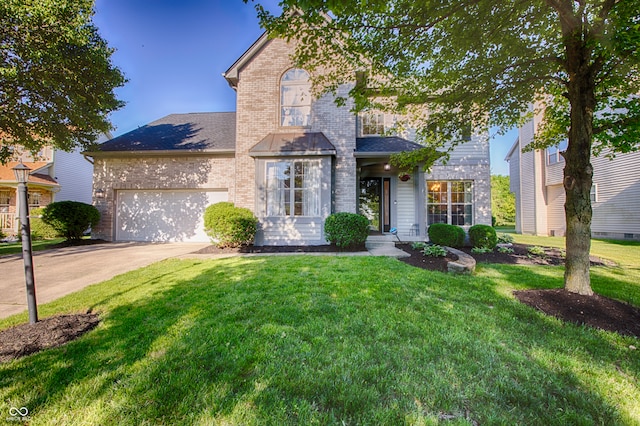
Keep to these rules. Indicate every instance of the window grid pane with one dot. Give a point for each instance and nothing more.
(450, 202)
(295, 98)
(296, 195)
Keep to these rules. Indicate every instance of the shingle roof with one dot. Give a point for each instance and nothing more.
(7, 175)
(315, 143)
(207, 131)
(384, 145)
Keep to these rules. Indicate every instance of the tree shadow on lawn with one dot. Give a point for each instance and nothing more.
(233, 343)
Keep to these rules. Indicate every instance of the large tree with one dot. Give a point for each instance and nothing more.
(486, 62)
(503, 201)
(56, 77)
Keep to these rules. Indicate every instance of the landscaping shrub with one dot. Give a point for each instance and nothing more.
(446, 235)
(70, 218)
(434, 250)
(505, 239)
(346, 229)
(483, 236)
(39, 229)
(230, 226)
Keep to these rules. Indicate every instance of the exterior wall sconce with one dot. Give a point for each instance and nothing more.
(100, 193)
(387, 166)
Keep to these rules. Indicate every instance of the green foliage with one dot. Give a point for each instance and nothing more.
(56, 75)
(443, 66)
(346, 229)
(407, 161)
(71, 219)
(446, 235)
(230, 226)
(418, 245)
(536, 251)
(434, 250)
(505, 250)
(483, 236)
(39, 229)
(481, 250)
(505, 238)
(503, 201)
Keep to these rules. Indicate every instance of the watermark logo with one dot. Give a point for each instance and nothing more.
(18, 414)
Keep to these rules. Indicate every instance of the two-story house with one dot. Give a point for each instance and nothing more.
(291, 158)
(536, 180)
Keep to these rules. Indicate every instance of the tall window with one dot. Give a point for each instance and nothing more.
(293, 188)
(372, 124)
(450, 202)
(295, 98)
(553, 152)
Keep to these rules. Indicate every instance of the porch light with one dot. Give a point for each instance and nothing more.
(21, 172)
(100, 193)
(387, 166)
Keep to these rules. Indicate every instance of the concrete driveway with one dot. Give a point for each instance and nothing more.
(62, 271)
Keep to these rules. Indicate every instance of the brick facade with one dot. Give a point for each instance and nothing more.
(181, 172)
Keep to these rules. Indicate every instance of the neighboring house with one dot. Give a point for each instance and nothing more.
(289, 157)
(536, 180)
(55, 176)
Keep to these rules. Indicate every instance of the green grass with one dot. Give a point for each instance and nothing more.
(36, 245)
(328, 340)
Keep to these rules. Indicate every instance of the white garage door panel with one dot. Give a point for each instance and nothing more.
(164, 215)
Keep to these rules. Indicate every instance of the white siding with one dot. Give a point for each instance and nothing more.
(406, 207)
(617, 211)
(556, 219)
(291, 231)
(75, 175)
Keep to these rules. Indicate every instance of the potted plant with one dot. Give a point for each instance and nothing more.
(404, 177)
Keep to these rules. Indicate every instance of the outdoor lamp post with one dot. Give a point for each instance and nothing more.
(22, 176)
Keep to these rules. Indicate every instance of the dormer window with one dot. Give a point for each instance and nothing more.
(295, 98)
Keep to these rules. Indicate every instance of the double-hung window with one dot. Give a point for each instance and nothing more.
(5, 198)
(450, 202)
(293, 188)
(33, 199)
(553, 152)
(372, 124)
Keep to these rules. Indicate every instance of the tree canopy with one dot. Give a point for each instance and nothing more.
(451, 64)
(56, 77)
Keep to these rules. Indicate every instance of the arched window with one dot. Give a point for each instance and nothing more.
(295, 98)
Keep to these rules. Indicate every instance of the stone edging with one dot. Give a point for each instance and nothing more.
(464, 265)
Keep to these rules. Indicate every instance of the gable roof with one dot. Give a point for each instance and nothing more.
(232, 74)
(7, 175)
(382, 146)
(192, 132)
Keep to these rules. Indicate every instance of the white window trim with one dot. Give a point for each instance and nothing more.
(314, 190)
(449, 203)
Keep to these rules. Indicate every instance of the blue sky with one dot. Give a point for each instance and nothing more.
(174, 54)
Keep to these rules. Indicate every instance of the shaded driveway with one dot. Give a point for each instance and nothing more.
(62, 271)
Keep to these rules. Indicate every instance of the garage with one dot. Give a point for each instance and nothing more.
(164, 216)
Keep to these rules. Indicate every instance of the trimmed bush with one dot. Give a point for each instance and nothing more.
(446, 235)
(39, 229)
(346, 230)
(483, 236)
(230, 226)
(70, 218)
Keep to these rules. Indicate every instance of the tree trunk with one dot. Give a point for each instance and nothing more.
(578, 171)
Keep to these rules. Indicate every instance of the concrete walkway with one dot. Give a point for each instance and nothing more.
(62, 271)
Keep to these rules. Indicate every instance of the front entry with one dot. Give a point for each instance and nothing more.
(375, 202)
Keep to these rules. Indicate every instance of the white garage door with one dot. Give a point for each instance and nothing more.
(171, 215)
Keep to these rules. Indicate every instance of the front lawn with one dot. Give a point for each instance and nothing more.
(36, 245)
(328, 340)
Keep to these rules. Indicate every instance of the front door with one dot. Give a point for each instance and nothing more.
(375, 202)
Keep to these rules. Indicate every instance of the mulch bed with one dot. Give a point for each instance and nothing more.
(595, 311)
(25, 339)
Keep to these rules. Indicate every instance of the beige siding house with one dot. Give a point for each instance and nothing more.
(536, 180)
(291, 158)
